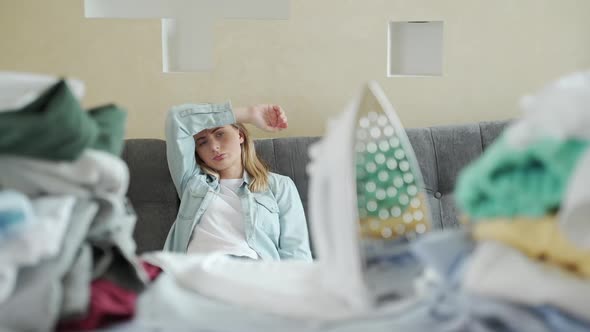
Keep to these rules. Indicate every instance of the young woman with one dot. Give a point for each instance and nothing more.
(230, 202)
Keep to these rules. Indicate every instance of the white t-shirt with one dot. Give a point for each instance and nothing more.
(222, 226)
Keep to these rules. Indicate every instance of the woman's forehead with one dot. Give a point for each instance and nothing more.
(208, 131)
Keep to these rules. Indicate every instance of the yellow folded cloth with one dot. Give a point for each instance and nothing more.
(538, 238)
(414, 219)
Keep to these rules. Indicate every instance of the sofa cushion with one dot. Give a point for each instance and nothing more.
(151, 191)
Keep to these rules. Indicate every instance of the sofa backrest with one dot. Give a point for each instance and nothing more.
(442, 151)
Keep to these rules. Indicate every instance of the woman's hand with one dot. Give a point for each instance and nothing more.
(264, 116)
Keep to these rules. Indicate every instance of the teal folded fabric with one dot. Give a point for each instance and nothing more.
(55, 127)
(511, 182)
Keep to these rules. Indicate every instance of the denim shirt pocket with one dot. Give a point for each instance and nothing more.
(267, 215)
(191, 200)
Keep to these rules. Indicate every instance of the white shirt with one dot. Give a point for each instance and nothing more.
(222, 226)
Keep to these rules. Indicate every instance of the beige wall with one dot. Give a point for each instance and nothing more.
(494, 52)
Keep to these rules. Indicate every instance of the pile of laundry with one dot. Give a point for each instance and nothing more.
(67, 255)
(522, 263)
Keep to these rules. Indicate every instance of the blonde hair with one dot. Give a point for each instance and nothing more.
(256, 167)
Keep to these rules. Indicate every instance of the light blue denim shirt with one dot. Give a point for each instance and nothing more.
(275, 224)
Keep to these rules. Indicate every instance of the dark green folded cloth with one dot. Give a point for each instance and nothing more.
(510, 182)
(111, 125)
(55, 127)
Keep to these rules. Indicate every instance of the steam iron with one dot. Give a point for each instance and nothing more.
(391, 202)
(367, 204)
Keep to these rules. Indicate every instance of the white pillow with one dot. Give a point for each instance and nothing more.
(17, 89)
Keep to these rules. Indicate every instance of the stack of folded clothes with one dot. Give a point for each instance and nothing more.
(522, 263)
(524, 201)
(67, 256)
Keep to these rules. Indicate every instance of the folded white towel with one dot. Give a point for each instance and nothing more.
(18, 89)
(501, 272)
(94, 172)
(561, 110)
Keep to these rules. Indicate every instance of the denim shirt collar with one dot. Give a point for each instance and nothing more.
(246, 178)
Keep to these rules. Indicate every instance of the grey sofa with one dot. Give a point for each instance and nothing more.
(442, 151)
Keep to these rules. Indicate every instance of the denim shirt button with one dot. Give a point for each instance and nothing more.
(437, 195)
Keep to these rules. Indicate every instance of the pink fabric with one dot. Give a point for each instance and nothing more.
(153, 271)
(109, 303)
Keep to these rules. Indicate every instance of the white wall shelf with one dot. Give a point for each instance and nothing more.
(414, 48)
(187, 25)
